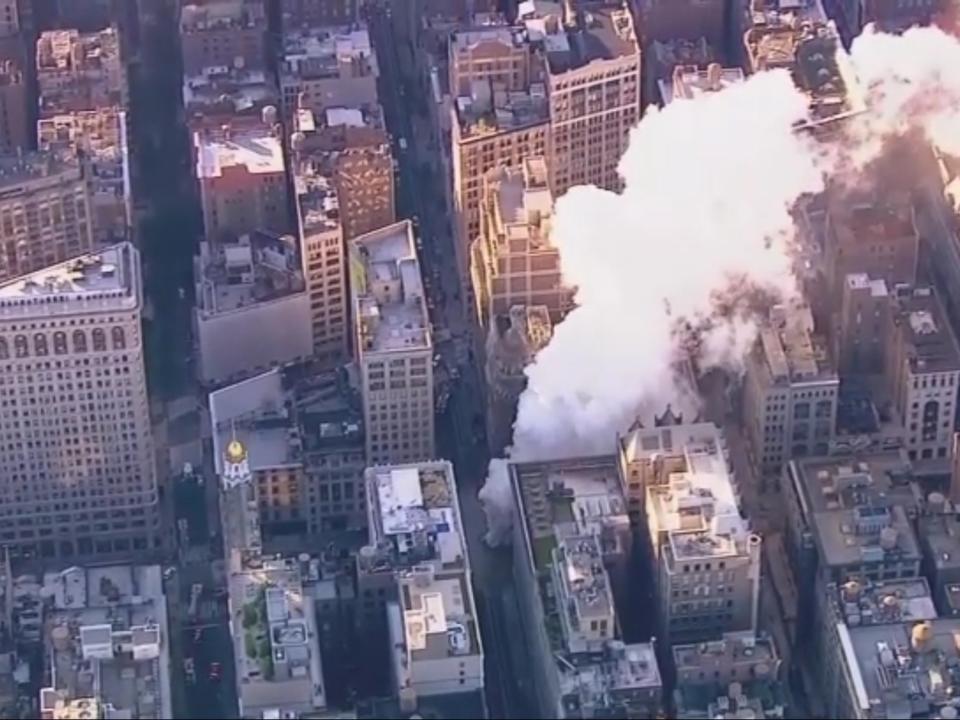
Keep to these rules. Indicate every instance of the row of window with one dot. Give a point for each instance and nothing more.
(98, 337)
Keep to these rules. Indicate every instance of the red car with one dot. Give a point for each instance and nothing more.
(216, 671)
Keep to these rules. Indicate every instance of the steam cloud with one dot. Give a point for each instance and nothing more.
(703, 222)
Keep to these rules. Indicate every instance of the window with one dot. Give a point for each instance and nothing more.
(4, 349)
(60, 343)
(79, 341)
(117, 338)
(20, 346)
(99, 340)
(40, 344)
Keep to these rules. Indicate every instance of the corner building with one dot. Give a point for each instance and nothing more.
(77, 467)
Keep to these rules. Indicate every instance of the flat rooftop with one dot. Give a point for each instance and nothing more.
(884, 603)
(259, 267)
(329, 52)
(598, 30)
(439, 617)
(689, 82)
(104, 281)
(70, 51)
(791, 350)
(931, 346)
(737, 649)
(113, 618)
(256, 150)
(389, 300)
(316, 193)
(892, 677)
(237, 89)
(52, 167)
(221, 15)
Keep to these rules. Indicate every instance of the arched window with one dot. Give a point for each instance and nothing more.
(79, 341)
(60, 343)
(40, 344)
(99, 340)
(118, 339)
(931, 414)
(4, 349)
(20, 347)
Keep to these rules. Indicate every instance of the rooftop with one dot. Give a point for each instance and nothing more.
(439, 617)
(666, 56)
(221, 15)
(106, 636)
(282, 414)
(105, 281)
(227, 90)
(737, 648)
(414, 518)
(387, 290)
(329, 52)
(929, 343)
(940, 536)
(16, 171)
(790, 350)
(275, 639)
(316, 193)
(70, 51)
(79, 71)
(903, 670)
(883, 603)
(255, 149)
(595, 30)
(258, 267)
(690, 83)
(858, 509)
(523, 202)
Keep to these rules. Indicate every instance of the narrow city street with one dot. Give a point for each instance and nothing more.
(419, 195)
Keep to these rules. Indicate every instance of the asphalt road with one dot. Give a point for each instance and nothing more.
(420, 194)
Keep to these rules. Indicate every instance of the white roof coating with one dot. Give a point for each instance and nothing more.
(399, 493)
(256, 150)
(345, 116)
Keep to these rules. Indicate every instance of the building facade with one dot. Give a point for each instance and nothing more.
(79, 464)
(392, 345)
(223, 34)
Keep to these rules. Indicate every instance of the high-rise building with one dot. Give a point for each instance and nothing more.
(80, 71)
(328, 67)
(98, 138)
(226, 33)
(416, 568)
(15, 113)
(108, 643)
(593, 58)
(500, 116)
(78, 464)
(46, 213)
(572, 549)
(862, 329)
(353, 147)
(392, 345)
(790, 391)
(301, 432)
(252, 311)
(690, 509)
(243, 186)
(513, 261)
(923, 373)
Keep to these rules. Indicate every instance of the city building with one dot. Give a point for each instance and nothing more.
(513, 261)
(923, 372)
(897, 670)
(80, 71)
(108, 644)
(690, 82)
(328, 67)
(252, 311)
(938, 531)
(730, 677)
(514, 339)
(223, 33)
(854, 15)
(665, 21)
(46, 213)
(798, 37)
(242, 180)
(10, 24)
(593, 59)
(790, 391)
(872, 235)
(847, 608)
(316, 13)
(323, 248)
(500, 116)
(392, 345)
(663, 57)
(416, 568)
(15, 101)
(702, 547)
(301, 434)
(863, 325)
(79, 468)
(99, 139)
(571, 550)
(222, 93)
(850, 518)
(353, 147)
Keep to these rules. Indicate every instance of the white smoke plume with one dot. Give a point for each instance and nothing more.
(709, 186)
